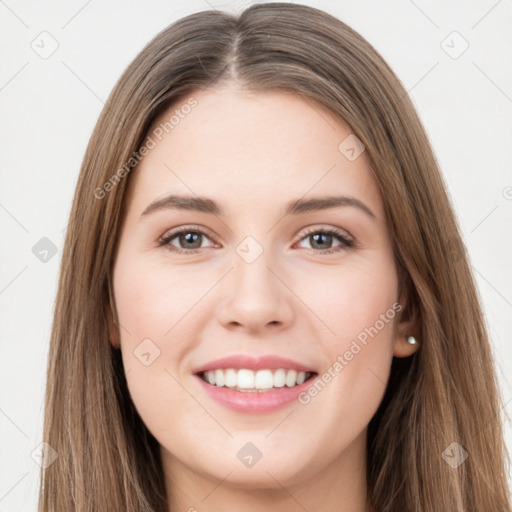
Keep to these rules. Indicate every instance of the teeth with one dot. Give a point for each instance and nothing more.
(263, 380)
(249, 380)
(279, 378)
(219, 378)
(230, 378)
(245, 379)
(291, 378)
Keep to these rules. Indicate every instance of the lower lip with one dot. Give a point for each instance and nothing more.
(254, 402)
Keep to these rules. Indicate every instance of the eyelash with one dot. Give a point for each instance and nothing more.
(345, 242)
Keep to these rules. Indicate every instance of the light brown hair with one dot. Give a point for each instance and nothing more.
(447, 392)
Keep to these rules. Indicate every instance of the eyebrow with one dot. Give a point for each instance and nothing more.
(295, 207)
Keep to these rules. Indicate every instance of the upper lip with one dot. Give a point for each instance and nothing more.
(253, 363)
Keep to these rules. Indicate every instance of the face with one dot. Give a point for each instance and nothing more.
(256, 280)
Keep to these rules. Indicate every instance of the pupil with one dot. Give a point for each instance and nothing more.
(320, 235)
(191, 237)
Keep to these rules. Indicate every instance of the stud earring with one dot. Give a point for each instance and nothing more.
(411, 340)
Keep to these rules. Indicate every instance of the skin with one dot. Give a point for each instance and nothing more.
(252, 153)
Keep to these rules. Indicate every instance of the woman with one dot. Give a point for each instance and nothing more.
(208, 352)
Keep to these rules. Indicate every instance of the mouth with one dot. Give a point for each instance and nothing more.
(254, 385)
(264, 380)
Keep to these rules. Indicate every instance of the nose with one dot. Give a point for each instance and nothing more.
(256, 296)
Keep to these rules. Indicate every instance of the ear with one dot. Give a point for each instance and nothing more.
(407, 324)
(113, 330)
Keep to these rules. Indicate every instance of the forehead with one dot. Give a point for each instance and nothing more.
(252, 147)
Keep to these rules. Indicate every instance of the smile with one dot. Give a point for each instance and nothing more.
(246, 380)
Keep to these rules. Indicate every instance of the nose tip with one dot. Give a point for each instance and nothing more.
(254, 296)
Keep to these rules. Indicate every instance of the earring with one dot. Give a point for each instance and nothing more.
(411, 340)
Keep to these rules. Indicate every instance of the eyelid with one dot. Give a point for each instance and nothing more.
(346, 240)
(170, 234)
(308, 230)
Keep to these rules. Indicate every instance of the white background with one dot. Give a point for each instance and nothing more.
(49, 107)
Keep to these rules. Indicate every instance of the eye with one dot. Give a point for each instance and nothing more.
(190, 237)
(321, 238)
(190, 240)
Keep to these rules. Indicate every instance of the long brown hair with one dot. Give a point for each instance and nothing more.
(446, 393)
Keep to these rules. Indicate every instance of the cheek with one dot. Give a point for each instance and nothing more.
(359, 307)
(350, 299)
(161, 309)
(156, 341)
(153, 299)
